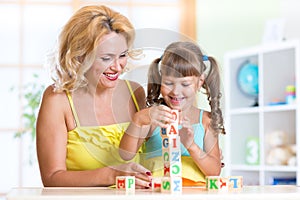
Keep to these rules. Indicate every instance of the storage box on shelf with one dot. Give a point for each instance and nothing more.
(247, 144)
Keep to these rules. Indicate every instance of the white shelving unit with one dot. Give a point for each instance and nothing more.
(278, 66)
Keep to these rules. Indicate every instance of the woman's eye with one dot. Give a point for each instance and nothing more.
(106, 58)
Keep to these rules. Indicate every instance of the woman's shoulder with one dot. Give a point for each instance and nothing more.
(139, 92)
(51, 96)
(133, 84)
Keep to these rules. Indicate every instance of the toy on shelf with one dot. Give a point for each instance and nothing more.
(290, 94)
(280, 151)
(247, 80)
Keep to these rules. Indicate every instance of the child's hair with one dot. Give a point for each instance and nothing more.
(79, 40)
(182, 59)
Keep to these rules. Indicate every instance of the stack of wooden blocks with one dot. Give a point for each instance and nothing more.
(171, 155)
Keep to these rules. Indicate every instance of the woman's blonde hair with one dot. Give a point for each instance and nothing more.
(79, 40)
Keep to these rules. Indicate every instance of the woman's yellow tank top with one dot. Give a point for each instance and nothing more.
(91, 147)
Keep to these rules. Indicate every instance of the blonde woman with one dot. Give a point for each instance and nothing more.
(84, 114)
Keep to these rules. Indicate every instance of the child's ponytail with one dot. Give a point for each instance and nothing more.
(154, 82)
(212, 86)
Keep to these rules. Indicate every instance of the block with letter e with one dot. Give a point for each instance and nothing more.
(125, 183)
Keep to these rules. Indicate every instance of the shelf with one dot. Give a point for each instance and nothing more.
(277, 108)
(246, 167)
(250, 127)
(238, 111)
(280, 168)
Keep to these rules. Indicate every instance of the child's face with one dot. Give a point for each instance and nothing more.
(179, 93)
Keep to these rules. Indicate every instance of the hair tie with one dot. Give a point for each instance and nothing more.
(207, 64)
(158, 65)
(205, 58)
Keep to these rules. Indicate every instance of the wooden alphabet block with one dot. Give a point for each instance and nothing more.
(223, 184)
(212, 183)
(176, 169)
(171, 184)
(217, 183)
(125, 183)
(235, 182)
(156, 184)
(172, 129)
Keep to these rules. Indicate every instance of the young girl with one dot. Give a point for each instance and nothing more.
(177, 77)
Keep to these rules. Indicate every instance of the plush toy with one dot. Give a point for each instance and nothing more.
(280, 152)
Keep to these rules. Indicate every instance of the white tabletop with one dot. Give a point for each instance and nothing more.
(190, 193)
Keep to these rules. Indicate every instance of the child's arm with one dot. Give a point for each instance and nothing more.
(207, 160)
(140, 126)
(132, 140)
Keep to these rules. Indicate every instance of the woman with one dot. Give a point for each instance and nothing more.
(84, 114)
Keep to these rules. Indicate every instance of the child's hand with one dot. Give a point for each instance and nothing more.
(161, 116)
(186, 133)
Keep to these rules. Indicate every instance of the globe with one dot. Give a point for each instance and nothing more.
(247, 79)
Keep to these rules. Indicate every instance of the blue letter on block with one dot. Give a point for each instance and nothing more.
(175, 156)
(234, 182)
(177, 185)
(165, 142)
(163, 131)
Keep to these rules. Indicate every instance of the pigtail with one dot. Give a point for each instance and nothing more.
(154, 82)
(212, 87)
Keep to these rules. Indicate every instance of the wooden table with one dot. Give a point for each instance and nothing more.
(190, 193)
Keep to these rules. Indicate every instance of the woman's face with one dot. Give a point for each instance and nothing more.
(111, 58)
(179, 93)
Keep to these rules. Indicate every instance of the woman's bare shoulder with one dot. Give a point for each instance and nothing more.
(139, 93)
(54, 98)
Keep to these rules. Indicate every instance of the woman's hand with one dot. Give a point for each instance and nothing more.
(186, 133)
(142, 175)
